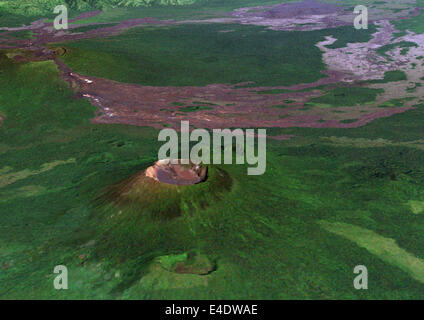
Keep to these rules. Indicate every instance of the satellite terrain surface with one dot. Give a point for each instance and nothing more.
(84, 194)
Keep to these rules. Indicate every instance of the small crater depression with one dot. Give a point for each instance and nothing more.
(188, 263)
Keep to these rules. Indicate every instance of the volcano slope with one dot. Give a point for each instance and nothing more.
(345, 189)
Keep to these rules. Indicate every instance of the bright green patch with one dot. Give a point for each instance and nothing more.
(414, 24)
(417, 207)
(385, 248)
(8, 176)
(23, 192)
(263, 230)
(168, 262)
(200, 9)
(22, 35)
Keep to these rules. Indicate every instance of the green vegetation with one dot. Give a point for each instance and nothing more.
(14, 13)
(350, 36)
(8, 19)
(405, 45)
(414, 24)
(384, 248)
(264, 242)
(396, 103)
(180, 56)
(25, 34)
(29, 7)
(198, 10)
(71, 191)
(392, 76)
(346, 96)
(417, 207)
(168, 262)
(92, 27)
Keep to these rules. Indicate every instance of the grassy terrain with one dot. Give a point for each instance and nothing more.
(385, 248)
(396, 102)
(92, 27)
(329, 200)
(199, 10)
(404, 45)
(340, 97)
(15, 13)
(414, 24)
(25, 34)
(249, 53)
(54, 164)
